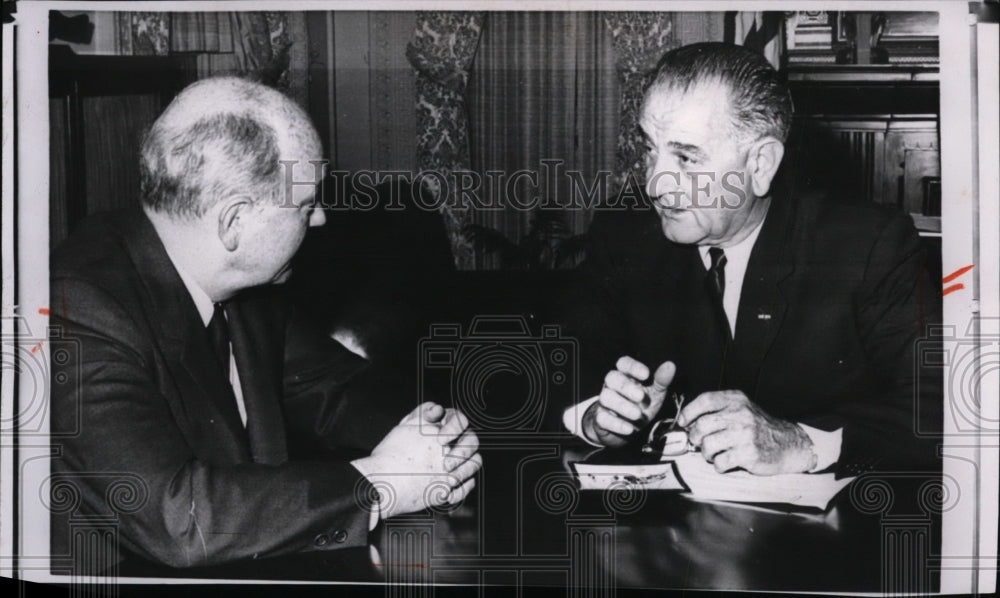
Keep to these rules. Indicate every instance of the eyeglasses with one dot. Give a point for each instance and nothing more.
(658, 433)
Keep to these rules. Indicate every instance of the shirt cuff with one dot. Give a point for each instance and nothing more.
(376, 509)
(573, 419)
(826, 445)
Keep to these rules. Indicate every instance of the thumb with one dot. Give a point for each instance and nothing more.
(662, 378)
(432, 413)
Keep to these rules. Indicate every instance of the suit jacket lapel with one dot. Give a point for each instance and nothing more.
(700, 352)
(762, 302)
(257, 342)
(204, 395)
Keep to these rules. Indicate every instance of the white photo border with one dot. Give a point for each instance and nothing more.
(970, 235)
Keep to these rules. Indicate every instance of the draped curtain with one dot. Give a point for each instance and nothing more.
(542, 89)
(640, 39)
(442, 50)
(270, 47)
(561, 86)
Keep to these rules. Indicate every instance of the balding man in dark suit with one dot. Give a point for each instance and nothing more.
(200, 386)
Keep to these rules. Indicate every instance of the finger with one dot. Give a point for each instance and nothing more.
(466, 470)
(608, 421)
(632, 367)
(662, 378)
(706, 402)
(709, 423)
(725, 461)
(453, 424)
(432, 413)
(713, 444)
(455, 417)
(417, 413)
(625, 386)
(458, 494)
(464, 448)
(624, 408)
(741, 456)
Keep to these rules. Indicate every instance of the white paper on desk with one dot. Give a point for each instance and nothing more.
(800, 489)
(655, 476)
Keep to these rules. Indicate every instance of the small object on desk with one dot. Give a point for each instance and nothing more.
(656, 476)
(664, 427)
(676, 443)
(691, 473)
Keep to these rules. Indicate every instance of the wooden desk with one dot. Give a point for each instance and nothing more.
(527, 525)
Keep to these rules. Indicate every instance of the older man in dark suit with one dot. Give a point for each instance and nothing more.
(200, 387)
(789, 323)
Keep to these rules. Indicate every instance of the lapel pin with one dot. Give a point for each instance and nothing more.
(763, 316)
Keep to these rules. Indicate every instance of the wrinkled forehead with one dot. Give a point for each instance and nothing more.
(704, 103)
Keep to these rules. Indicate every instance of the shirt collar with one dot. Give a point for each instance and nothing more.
(201, 299)
(740, 251)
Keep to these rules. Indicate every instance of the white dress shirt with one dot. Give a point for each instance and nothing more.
(205, 309)
(826, 445)
(737, 258)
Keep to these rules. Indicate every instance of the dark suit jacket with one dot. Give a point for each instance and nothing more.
(151, 438)
(834, 299)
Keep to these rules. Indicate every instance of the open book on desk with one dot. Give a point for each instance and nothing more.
(690, 472)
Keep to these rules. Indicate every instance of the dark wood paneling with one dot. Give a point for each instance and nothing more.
(869, 133)
(58, 191)
(99, 107)
(111, 168)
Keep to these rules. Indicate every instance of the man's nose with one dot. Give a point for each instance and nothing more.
(317, 217)
(663, 181)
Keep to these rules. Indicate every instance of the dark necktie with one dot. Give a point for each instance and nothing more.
(717, 272)
(715, 280)
(218, 333)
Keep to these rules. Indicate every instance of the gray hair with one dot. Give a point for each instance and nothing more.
(219, 137)
(760, 103)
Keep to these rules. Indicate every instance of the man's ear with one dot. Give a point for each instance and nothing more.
(235, 209)
(762, 163)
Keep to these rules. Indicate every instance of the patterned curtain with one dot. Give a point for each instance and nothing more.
(269, 47)
(200, 32)
(640, 39)
(142, 33)
(442, 50)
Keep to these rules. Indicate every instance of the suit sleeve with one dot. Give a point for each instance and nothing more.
(334, 399)
(896, 424)
(182, 510)
(592, 311)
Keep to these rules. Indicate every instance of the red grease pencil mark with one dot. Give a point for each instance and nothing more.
(43, 310)
(955, 287)
(37, 346)
(956, 274)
